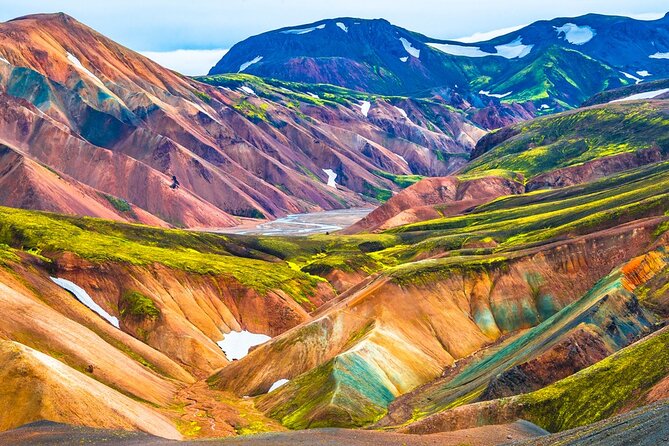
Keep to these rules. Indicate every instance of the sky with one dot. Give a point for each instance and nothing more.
(190, 36)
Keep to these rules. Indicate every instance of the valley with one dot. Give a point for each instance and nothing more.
(346, 233)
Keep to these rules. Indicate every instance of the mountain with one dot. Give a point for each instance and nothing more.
(120, 125)
(555, 64)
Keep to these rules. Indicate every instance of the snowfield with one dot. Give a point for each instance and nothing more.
(646, 95)
(574, 34)
(247, 90)
(245, 65)
(342, 26)
(409, 48)
(404, 59)
(2, 59)
(77, 64)
(300, 31)
(236, 344)
(634, 78)
(83, 297)
(332, 176)
(494, 95)
(402, 112)
(512, 50)
(659, 56)
(313, 95)
(643, 73)
(364, 107)
(277, 384)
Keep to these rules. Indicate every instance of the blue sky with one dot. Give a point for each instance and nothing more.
(165, 26)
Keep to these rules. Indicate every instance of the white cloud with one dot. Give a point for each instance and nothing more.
(188, 62)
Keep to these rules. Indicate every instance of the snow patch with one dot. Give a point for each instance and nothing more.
(364, 107)
(83, 297)
(332, 176)
(313, 95)
(544, 107)
(512, 50)
(403, 159)
(78, 65)
(247, 90)
(236, 344)
(2, 59)
(574, 34)
(494, 95)
(402, 112)
(659, 56)
(277, 384)
(245, 65)
(409, 48)
(404, 59)
(646, 95)
(342, 26)
(643, 73)
(634, 78)
(300, 31)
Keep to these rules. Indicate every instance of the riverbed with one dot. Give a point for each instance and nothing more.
(303, 224)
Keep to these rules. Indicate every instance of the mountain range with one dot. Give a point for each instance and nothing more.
(554, 64)
(510, 285)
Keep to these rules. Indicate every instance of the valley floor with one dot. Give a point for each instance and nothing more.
(302, 224)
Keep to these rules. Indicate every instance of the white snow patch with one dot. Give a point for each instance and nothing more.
(236, 344)
(77, 64)
(404, 59)
(402, 158)
(544, 107)
(646, 95)
(313, 95)
(83, 297)
(364, 107)
(332, 176)
(659, 56)
(342, 26)
(460, 50)
(494, 95)
(277, 384)
(2, 59)
(643, 73)
(247, 90)
(402, 112)
(574, 34)
(634, 78)
(301, 31)
(245, 65)
(515, 49)
(409, 48)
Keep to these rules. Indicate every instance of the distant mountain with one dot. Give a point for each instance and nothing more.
(118, 125)
(555, 64)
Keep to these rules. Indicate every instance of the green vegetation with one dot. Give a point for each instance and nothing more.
(402, 181)
(200, 253)
(119, 204)
(601, 390)
(138, 306)
(574, 138)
